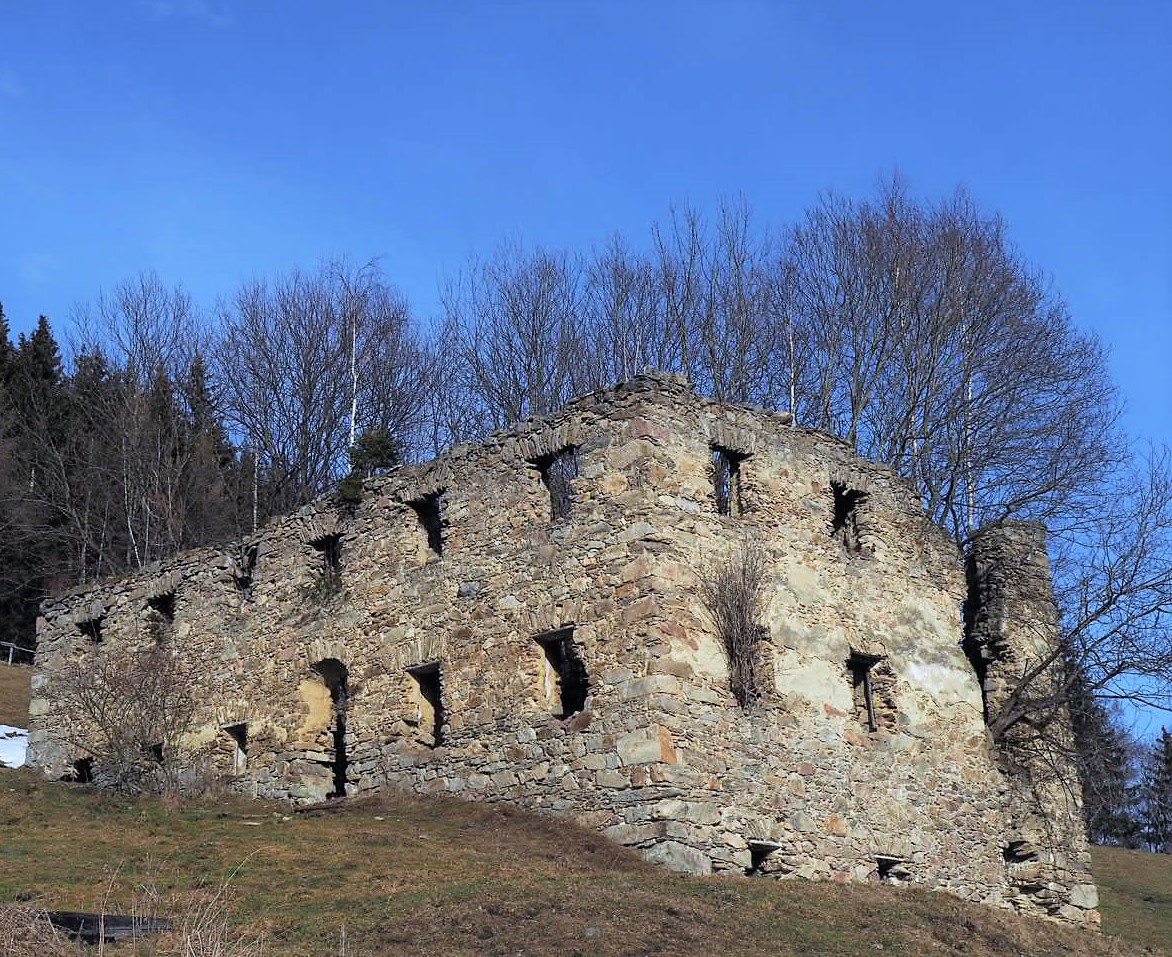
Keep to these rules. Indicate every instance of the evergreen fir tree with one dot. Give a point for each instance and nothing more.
(1104, 756)
(1156, 795)
(6, 349)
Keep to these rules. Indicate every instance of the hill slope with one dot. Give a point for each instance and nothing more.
(1136, 891)
(405, 875)
(14, 694)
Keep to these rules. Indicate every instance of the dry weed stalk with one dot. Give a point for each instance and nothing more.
(732, 591)
(206, 931)
(203, 929)
(26, 932)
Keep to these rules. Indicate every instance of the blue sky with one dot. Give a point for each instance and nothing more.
(217, 141)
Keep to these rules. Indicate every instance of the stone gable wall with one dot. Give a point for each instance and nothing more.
(661, 757)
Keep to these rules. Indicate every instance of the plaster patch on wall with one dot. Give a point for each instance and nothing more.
(319, 711)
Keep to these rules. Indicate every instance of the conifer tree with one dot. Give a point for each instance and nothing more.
(1156, 794)
(1104, 754)
(5, 345)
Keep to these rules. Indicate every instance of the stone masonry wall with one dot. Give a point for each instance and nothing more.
(582, 541)
(1012, 636)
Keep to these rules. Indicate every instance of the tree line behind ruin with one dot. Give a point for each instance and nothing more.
(913, 330)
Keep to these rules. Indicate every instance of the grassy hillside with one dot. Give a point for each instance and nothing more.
(405, 876)
(1136, 891)
(14, 694)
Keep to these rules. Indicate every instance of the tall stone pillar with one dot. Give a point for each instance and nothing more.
(1011, 621)
(1012, 637)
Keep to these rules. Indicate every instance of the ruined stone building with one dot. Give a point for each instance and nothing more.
(525, 620)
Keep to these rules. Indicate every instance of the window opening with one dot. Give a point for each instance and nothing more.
(335, 677)
(844, 526)
(164, 606)
(874, 690)
(890, 868)
(759, 851)
(92, 629)
(329, 547)
(430, 511)
(162, 614)
(726, 480)
(860, 666)
(979, 651)
(244, 570)
(429, 681)
(81, 771)
(1019, 852)
(239, 735)
(568, 669)
(558, 471)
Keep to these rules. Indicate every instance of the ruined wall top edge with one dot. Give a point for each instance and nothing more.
(740, 427)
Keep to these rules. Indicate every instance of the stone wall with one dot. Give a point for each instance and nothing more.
(1012, 638)
(522, 620)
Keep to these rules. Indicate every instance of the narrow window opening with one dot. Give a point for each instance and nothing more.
(244, 571)
(1019, 852)
(726, 480)
(429, 685)
(759, 852)
(844, 525)
(161, 609)
(81, 771)
(163, 606)
(558, 471)
(92, 629)
(891, 869)
(873, 684)
(566, 670)
(430, 511)
(238, 733)
(860, 666)
(335, 677)
(977, 650)
(329, 548)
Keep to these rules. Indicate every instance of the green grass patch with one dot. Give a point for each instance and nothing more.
(1136, 894)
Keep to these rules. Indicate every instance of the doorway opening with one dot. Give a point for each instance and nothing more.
(334, 676)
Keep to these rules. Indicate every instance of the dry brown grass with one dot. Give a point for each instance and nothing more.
(409, 876)
(15, 690)
(24, 932)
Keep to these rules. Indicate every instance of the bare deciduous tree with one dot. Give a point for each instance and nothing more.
(129, 709)
(1113, 580)
(928, 344)
(515, 341)
(141, 391)
(623, 311)
(143, 326)
(302, 357)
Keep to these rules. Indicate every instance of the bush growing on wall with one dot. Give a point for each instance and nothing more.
(732, 592)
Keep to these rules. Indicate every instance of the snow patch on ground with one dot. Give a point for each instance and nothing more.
(13, 745)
